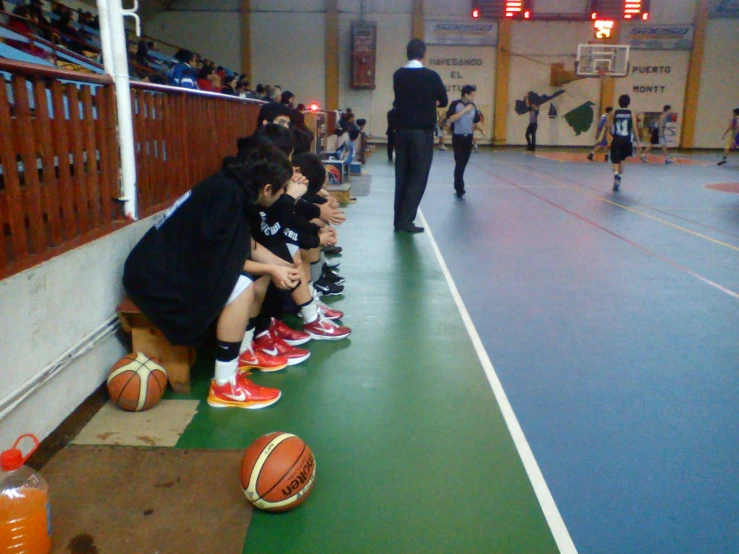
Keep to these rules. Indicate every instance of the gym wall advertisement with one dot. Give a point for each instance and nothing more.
(463, 53)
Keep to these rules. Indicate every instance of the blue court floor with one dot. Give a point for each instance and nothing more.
(612, 322)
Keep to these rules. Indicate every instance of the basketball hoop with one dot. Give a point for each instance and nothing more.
(603, 75)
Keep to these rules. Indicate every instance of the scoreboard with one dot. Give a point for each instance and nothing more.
(598, 10)
(620, 9)
(501, 9)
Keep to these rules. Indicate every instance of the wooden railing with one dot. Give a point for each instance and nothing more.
(59, 157)
(59, 161)
(182, 137)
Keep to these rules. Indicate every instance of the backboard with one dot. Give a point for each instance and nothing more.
(594, 60)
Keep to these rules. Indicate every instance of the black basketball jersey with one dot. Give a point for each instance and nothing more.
(623, 125)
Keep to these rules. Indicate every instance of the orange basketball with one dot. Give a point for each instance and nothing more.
(278, 472)
(137, 382)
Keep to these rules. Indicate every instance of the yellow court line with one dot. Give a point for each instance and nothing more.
(678, 227)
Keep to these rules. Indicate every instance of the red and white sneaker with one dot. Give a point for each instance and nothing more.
(241, 394)
(263, 361)
(291, 336)
(328, 313)
(325, 329)
(268, 343)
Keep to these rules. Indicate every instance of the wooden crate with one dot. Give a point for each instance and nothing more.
(148, 339)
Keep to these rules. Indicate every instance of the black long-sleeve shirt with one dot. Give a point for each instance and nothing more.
(417, 91)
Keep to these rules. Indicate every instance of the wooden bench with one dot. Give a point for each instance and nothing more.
(342, 193)
(148, 339)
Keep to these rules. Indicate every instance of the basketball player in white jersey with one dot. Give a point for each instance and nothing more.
(621, 126)
(658, 137)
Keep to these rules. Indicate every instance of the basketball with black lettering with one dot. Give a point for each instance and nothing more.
(137, 382)
(278, 472)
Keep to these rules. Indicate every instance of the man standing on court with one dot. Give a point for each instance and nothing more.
(418, 92)
(464, 118)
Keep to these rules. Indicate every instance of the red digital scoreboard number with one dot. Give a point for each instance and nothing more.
(517, 9)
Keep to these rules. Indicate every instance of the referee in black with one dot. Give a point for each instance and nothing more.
(418, 92)
(464, 118)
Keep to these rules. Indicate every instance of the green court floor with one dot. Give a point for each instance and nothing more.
(413, 454)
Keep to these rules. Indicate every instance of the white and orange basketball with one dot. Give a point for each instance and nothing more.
(137, 382)
(278, 472)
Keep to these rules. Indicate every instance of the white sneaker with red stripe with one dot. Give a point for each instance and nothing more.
(270, 343)
(291, 336)
(325, 329)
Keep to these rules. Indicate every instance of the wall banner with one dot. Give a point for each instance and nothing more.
(451, 32)
(726, 9)
(658, 37)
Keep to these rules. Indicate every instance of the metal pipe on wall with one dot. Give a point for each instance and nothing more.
(115, 58)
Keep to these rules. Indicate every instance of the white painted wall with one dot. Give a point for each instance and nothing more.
(393, 34)
(650, 91)
(46, 310)
(209, 27)
(719, 83)
(534, 46)
(289, 49)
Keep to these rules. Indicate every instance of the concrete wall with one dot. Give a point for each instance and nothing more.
(719, 83)
(534, 46)
(46, 310)
(210, 27)
(293, 57)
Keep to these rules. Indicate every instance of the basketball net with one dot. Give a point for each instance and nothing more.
(603, 74)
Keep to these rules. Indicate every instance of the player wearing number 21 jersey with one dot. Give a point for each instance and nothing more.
(621, 126)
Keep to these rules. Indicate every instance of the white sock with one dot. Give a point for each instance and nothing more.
(246, 343)
(226, 372)
(309, 312)
(316, 270)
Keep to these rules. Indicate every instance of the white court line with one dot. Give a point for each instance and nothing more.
(551, 512)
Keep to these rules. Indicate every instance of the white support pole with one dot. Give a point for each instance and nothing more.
(118, 56)
(104, 20)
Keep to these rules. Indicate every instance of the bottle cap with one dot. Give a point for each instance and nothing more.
(11, 460)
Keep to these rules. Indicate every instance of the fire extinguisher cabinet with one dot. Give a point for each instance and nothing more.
(364, 55)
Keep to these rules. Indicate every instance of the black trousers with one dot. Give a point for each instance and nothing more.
(414, 151)
(531, 135)
(462, 145)
(390, 145)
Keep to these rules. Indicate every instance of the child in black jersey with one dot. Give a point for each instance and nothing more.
(620, 124)
(284, 227)
(199, 268)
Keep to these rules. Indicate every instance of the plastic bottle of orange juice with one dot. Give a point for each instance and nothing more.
(25, 521)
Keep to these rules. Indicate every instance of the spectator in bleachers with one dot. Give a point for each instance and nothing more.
(243, 88)
(36, 14)
(274, 94)
(259, 91)
(142, 54)
(22, 25)
(183, 74)
(71, 38)
(229, 85)
(288, 99)
(208, 79)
